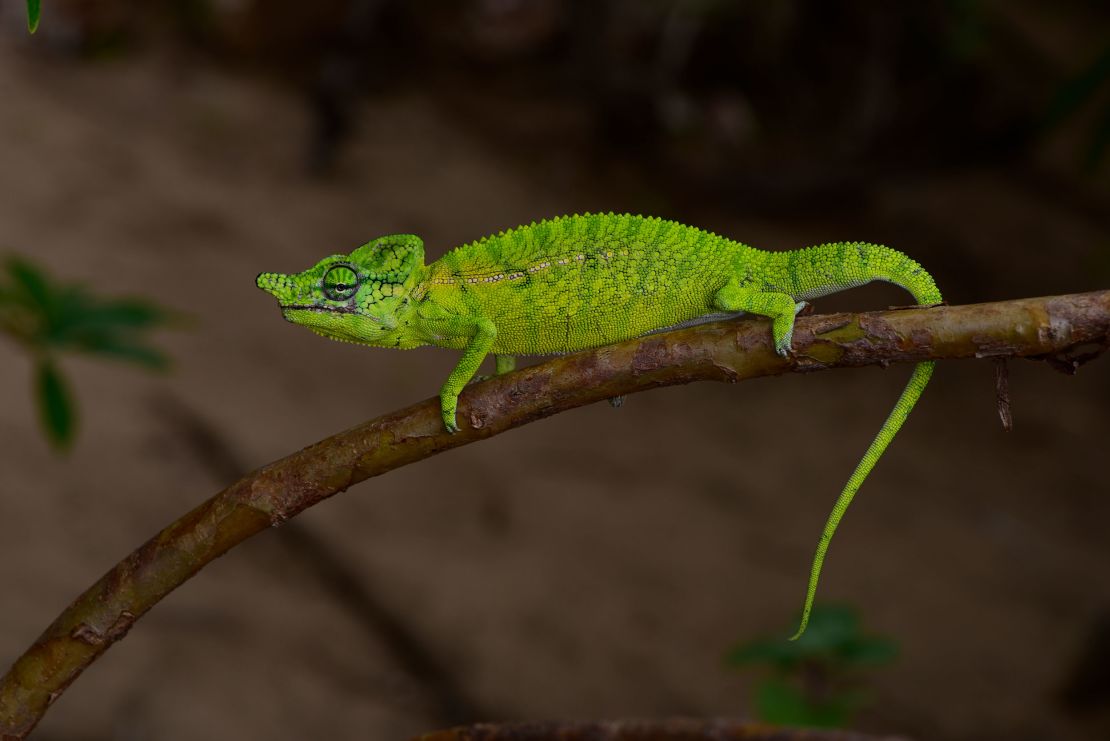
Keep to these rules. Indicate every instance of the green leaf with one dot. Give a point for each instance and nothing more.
(829, 627)
(30, 285)
(34, 12)
(49, 317)
(53, 317)
(778, 652)
(56, 409)
(125, 349)
(868, 651)
(132, 313)
(778, 701)
(116, 329)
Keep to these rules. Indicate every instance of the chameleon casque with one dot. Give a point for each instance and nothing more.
(576, 282)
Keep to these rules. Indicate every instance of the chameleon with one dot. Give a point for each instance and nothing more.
(576, 282)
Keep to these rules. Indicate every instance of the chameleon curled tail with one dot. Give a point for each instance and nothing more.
(856, 264)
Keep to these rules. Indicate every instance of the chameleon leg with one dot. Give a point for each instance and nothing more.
(471, 360)
(780, 307)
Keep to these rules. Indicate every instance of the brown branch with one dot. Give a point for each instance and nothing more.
(1065, 330)
(674, 729)
(451, 702)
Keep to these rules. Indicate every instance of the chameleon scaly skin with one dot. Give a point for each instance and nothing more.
(576, 282)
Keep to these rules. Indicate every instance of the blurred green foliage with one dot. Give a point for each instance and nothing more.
(48, 319)
(34, 12)
(817, 680)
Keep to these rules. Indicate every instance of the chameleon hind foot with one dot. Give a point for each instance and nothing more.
(784, 345)
(779, 307)
(448, 407)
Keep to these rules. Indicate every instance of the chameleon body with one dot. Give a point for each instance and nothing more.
(577, 282)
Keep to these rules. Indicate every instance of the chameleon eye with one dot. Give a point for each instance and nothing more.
(340, 282)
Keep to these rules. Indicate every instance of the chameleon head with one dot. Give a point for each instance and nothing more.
(361, 297)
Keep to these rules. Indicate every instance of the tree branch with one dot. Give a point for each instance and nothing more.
(1064, 330)
(675, 729)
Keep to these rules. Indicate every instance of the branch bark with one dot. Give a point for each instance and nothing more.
(674, 729)
(1063, 330)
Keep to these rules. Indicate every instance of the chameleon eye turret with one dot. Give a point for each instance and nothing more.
(340, 282)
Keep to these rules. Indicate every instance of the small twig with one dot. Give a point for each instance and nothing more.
(722, 351)
(1002, 393)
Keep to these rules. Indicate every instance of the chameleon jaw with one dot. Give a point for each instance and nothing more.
(320, 309)
(338, 323)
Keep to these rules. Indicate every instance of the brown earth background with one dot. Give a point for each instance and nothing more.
(598, 564)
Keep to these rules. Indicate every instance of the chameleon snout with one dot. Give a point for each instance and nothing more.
(267, 282)
(280, 286)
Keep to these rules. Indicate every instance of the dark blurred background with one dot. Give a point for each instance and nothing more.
(602, 563)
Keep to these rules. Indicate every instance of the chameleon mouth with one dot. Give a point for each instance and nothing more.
(289, 313)
(320, 309)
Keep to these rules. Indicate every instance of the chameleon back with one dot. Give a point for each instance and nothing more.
(598, 278)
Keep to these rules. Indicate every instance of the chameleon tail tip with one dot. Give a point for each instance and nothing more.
(803, 623)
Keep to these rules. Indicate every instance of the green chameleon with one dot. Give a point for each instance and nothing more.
(576, 282)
